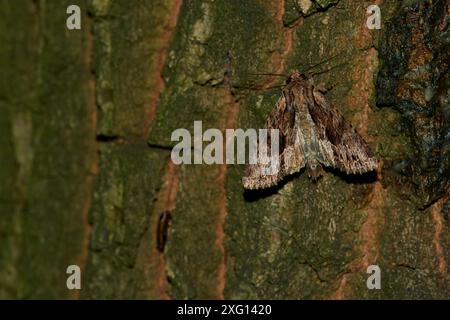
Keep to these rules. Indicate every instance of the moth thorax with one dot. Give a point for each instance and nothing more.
(296, 75)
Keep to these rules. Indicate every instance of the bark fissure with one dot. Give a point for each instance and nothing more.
(160, 61)
(95, 169)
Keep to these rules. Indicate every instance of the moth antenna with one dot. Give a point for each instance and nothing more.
(258, 88)
(327, 70)
(268, 74)
(261, 86)
(321, 62)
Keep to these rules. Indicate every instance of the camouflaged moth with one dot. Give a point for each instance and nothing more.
(312, 133)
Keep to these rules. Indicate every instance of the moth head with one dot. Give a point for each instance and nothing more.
(296, 76)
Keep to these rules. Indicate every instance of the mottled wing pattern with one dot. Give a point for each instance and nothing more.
(291, 154)
(340, 145)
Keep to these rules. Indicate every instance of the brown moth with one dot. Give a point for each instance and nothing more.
(312, 133)
(164, 222)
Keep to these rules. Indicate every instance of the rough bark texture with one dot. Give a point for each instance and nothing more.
(87, 117)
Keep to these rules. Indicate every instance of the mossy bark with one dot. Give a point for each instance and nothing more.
(48, 147)
(86, 139)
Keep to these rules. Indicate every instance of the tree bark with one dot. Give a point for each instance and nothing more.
(86, 140)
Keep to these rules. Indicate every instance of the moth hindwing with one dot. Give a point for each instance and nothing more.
(312, 133)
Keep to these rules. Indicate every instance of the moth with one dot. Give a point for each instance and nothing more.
(164, 222)
(312, 134)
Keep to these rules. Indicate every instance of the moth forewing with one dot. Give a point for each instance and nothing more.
(268, 151)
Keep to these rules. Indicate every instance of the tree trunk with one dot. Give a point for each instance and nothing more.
(87, 118)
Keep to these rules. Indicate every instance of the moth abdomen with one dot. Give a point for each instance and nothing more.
(315, 170)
